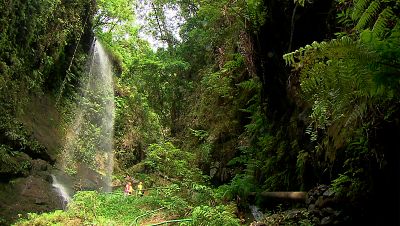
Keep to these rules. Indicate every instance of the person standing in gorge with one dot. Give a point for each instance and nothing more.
(128, 188)
(140, 188)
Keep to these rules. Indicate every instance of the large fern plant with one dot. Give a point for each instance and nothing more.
(377, 15)
(348, 80)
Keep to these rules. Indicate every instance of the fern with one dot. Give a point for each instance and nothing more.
(248, 85)
(382, 22)
(367, 17)
(359, 8)
(302, 158)
(335, 76)
(300, 2)
(350, 82)
(358, 112)
(290, 58)
(376, 15)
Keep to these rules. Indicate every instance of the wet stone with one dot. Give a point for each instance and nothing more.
(329, 193)
(326, 220)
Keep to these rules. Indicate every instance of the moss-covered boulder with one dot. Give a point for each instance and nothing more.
(33, 193)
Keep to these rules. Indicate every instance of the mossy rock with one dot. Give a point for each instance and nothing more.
(13, 163)
(138, 168)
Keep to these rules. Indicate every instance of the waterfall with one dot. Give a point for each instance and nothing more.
(257, 214)
(88, 150)
(62, 192)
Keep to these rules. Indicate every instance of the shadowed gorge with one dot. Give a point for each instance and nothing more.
(245, 112)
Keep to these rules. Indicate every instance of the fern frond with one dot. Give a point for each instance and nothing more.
(371, 12)
(289, 58)
(249, 85)
(300, 2)
(382, 22)
(358, 112)
(299, 53)
(342, 42)
(359, 8)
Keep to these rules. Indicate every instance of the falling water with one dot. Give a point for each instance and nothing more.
(257, 214)
(87, 154)
(62, 192)
(102, 70)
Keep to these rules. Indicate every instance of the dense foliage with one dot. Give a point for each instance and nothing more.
(216, 105)
(36, 43)
(39, 41)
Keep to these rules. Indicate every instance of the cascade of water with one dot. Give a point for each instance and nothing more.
(106, 90)
(257, 214)
(88, 149)
(62, 192)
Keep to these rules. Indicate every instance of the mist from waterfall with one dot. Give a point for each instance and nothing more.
(102, 69)
(87, 155)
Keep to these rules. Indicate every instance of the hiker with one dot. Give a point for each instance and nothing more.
(128, 188)
(140, 188)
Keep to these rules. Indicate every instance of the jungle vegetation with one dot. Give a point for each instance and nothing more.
(229, 98)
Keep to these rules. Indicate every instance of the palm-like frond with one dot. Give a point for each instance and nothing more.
(382, 22)
(359, 8)
(368, 15)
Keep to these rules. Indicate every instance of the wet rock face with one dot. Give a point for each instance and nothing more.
(291, 217)
(32, 194)
(324, 204)
(323, 207)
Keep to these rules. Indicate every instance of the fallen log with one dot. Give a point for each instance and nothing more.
(298, 196)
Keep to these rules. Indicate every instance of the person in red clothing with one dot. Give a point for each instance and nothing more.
(128, 188)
